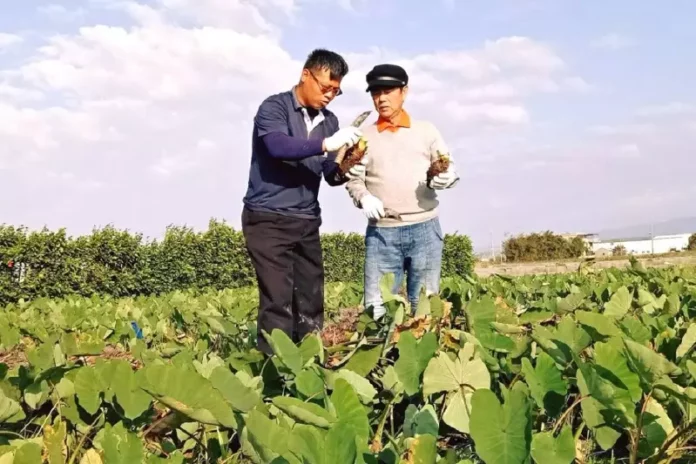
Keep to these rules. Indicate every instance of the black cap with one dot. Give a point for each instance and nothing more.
(386, 76)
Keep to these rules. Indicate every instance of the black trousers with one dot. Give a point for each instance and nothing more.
(287, 256)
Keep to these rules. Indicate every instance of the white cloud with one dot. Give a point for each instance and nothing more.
(153, 118)
(668, 109)
(60, 13)
(8, 40)
(614, 42)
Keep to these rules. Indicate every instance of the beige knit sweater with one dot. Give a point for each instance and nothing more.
(396, 171)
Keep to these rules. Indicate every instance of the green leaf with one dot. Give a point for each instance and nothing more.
(545, 383)
(413, 359)
(88, 388)
(121, 446)
(362, 386)
(238, 395)
(340, 444)
(421, 422)
(461, 378)
(364, 360)
(549, 450)
(349, 411)
(126, 387)
(649, 365)
(54, 441)
(288, 353)
(186, 391)
(308, 413)
(619, 304)
(688, 341)
(268, 439)
(28, 453)
(501, 434)
(612, 365)
(599, 322)
(423, 450)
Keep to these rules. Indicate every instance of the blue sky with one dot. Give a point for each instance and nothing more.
(562, 115)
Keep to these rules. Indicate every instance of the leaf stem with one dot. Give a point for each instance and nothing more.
(635, 436)
(563, 417)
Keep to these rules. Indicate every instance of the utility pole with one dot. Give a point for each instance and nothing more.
(652, 239)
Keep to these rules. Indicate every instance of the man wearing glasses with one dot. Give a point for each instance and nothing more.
(294, 145)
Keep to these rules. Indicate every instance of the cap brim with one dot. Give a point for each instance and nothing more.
(384, 84)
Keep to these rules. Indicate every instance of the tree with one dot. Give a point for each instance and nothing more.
(692, 243)
(619, 250)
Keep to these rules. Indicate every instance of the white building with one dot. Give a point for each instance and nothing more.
(643, 245)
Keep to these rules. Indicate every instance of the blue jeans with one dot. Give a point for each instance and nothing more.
(414, 250)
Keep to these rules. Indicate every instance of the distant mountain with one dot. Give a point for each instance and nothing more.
(675, 226)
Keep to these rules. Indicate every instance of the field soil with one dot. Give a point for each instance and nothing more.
(561, 267)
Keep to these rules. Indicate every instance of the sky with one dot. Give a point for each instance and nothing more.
(571, 116)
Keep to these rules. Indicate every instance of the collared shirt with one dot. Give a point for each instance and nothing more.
(289, 187)
(404, 120)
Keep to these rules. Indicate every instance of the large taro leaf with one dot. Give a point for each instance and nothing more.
(616, 398)
(10, 410)
(549, 450)
(185, 390)
(413, 359)
(337, 445)
(502, 434)
(239, 396)
(482, 315)
(459, 378)
(619, 304)
(349, 410)
(657, 427)
(649, 365)
(308, 413)
(422, 450)
(688, 341)
(546, 383)
(286, 350)
(421, 422)
(267, 439)
(612, 365)
(120, 446)
(593, 413)
(126, 387)
(54, 442)
(603, 325)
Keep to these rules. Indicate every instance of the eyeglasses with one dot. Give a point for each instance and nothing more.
(326, 88)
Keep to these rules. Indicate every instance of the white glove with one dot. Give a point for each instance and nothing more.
(372, 206)
(358, 171)
(346, 136)
(444, 180)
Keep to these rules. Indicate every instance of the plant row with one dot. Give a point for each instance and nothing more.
(591, 367)
(119, 263)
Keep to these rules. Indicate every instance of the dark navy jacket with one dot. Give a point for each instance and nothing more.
(283, 184)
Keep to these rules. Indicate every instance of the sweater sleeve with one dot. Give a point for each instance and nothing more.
(271, 122)
(283, 146)
(357, 189)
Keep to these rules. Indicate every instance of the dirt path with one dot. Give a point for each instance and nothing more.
(550, 267)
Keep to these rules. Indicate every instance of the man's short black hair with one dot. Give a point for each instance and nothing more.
(321, 58)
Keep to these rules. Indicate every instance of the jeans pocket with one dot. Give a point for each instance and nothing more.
(437, 230)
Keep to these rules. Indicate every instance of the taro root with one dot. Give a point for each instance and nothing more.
(440, 165)
(347, 158)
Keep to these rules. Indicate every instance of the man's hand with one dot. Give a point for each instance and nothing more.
(346, 136)
(372, 206)
(444, 180)
(358, 171)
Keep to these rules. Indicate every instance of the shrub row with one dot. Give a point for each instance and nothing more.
(120, 263)
(544, 246)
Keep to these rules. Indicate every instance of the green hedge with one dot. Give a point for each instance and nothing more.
(119, 263)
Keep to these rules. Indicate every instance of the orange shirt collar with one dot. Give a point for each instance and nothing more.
(404, 121)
